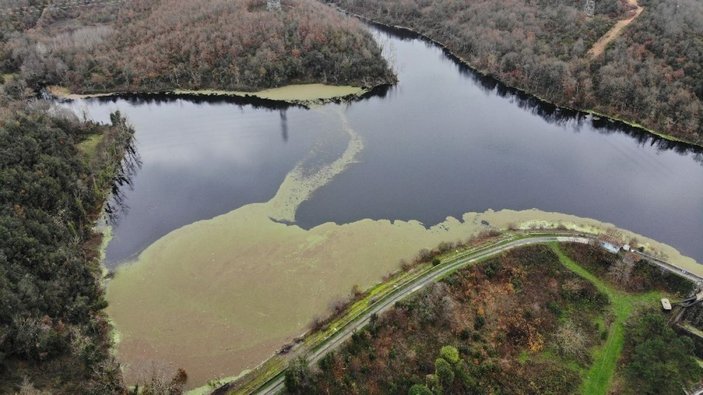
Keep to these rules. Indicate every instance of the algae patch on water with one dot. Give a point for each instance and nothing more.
(295, 93)
(304, 92)
(218, 296)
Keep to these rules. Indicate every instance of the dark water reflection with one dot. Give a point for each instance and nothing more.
(442, 142)
(446, 140)
(199, 160)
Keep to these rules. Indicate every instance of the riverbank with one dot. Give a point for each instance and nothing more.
(330, 333)
(307, 95)
(199, 310)
(259, 281)
(53, 223)
(454, 55)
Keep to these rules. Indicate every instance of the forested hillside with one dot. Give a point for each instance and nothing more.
(654, 72)
(519, 323)
(161, 45)
(55, 172)
(530, 321)
(650, 75)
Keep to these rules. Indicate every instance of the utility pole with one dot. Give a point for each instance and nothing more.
(590, 8)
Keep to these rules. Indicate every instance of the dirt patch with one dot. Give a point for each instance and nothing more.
(599, 47)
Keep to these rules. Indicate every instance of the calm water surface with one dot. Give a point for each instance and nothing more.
(440, 143)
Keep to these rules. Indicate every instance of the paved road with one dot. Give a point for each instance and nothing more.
(276, 385)
(669, 267)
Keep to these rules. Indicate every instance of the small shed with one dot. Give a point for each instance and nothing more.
(626, 247)
(610, 247)
(666, 305)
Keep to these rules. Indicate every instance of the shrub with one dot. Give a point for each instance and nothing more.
(479, 322)
(554, 308)
(444, 372)
(492, 268)
(297, 378)
(468, 382)
(450, 354)
(419, 389)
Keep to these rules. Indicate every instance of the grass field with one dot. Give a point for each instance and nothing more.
(89, 145)
(605, 358)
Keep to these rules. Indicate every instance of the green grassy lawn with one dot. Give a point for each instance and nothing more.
(599, 377)
(88, 147)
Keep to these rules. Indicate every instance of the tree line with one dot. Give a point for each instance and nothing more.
(54, 334)
(651, 75)
(466, 334)
(163, 45)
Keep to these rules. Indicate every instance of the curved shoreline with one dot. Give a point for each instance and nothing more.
(305, 95)
(485, 74)
(259, 280)
(310, 248)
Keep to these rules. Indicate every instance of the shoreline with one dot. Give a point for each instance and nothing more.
(308, 254)
(485, 74)
(528, 221)
(306, 95)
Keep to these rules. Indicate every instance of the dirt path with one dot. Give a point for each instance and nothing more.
(614, 32)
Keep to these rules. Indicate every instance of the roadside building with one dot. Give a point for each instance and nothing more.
(609, 243)
(666, 305)
(611, 248)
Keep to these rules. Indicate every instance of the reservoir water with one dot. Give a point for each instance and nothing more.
(443, 142)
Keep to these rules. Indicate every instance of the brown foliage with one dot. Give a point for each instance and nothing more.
(203, 44)
(652, 74)
(400, 348)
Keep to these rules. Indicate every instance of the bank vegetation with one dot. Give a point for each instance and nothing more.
(167, 45)
(55, 174)
(651, 75)
(523, 322)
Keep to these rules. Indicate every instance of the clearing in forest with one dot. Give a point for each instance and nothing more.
(600, 375)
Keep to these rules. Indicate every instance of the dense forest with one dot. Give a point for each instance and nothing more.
(473, 332)
(55, 172)
(651, 75)
(656, 356)
(519, 323)
(162, 45)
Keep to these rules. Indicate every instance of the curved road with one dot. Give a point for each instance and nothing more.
(276, 384)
